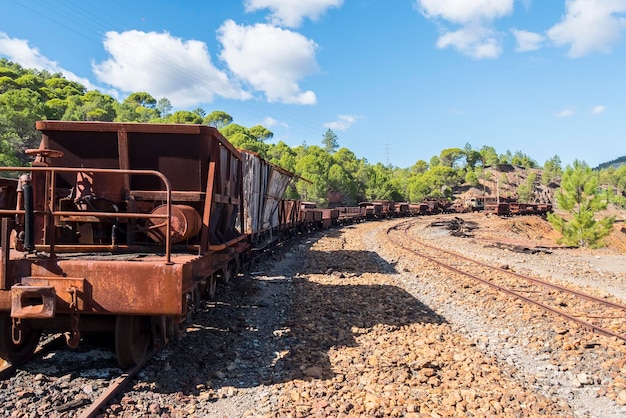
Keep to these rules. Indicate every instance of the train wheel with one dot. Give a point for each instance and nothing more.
(235, 267)
(226, 274)
(21, 352)
(132, 339)
(211, 287)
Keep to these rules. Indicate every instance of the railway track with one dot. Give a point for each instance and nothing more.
(75, 385)
(597, 314)
(114, 388)
(46, 345)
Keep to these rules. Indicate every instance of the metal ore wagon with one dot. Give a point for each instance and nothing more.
(85, 241)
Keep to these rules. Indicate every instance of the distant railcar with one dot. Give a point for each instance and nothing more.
(514, 208)
(288, 217)
(401, 209)
(501, 209)
(310, 216)
(349, 215)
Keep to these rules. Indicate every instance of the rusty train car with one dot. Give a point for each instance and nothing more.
(518, 209)
(119, 228)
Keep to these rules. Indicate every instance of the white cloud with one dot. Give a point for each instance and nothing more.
(270, 59)
(343, 122)
(527, 41)
(565, 113)
(596, 110)
(476, 36)
(475, 41)
(268, 122)
(164, 66)
(463, 11)
(292, 12)
(589, 26)
(18, 50)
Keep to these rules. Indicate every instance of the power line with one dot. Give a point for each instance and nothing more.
(387, 152)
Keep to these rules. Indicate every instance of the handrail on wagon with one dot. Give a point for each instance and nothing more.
(52, 212)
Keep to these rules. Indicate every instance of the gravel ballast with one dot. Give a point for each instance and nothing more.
(344, 324)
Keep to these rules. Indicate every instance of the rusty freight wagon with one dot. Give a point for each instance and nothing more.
(117, 228)
(288, 217)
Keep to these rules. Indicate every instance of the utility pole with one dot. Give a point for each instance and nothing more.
(497, 190)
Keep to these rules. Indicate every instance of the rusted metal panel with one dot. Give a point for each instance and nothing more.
(182, 153)
(112, 285)
(4, 253)
(289, 213)
(33, 301)
(5, 300)
(8, 193)
(120, 287)
(329, 217)
(264, 187)
(206, 220)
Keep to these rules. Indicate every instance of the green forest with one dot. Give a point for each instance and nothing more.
(334, 174)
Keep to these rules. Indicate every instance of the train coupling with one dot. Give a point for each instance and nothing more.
(33, 301)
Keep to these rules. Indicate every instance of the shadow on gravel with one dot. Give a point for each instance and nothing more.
(327, 316)
(348, 262)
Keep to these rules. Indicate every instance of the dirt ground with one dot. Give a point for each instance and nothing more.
(538, 232)
(533, 232)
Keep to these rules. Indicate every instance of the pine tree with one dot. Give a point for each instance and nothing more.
(579, 196)
(330, 141)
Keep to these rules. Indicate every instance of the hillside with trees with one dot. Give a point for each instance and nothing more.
(335, 175)
(616, 163)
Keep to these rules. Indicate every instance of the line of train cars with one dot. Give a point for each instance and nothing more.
(122, 228)
(316, 218)
(504, 207)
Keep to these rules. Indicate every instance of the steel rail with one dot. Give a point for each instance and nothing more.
(586, 324)
(585, 296)
(8, 369)
(116, 386)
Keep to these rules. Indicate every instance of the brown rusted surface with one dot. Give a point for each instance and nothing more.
(8, 193)
(288, 213)
(185, 223)
(124, 284)
(33, 301)
(61, 285)
(141, 285)
(4, 253)
(124, 287)
(206, 219)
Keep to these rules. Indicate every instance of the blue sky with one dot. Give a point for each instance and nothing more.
(396, 80)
